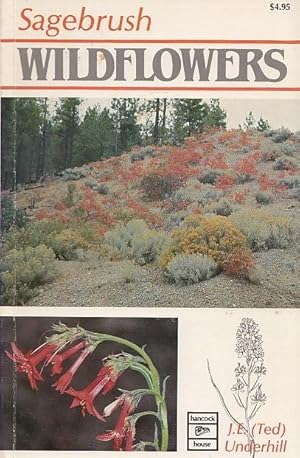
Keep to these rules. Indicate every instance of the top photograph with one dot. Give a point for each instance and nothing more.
(162, 202)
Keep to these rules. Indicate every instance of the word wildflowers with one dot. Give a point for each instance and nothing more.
(67, 350)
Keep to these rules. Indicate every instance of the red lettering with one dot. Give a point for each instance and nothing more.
(26, 19)
(69, 20)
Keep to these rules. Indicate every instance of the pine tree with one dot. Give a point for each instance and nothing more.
(188, 117)
(155, 126)
(95, 137)
(28, 136)
(249, 121)
(7, 140)
(216, 116)
(66, 129)
(126, 128)
(43, 162)
(262, 124)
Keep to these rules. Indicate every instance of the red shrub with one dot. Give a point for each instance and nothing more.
(207, 147)
(91, 209)
(244, 139)
(216, 162)
(224, 182)
(133, 173)
(235, 146)
(240, 197)
(43, 214)
(265, 182)
(239, 263)
(281, 174)
(180, 171)
(60, 206)
(142, 212)
(246, 169)
(227, 136)
(184, 156)
(256, 156)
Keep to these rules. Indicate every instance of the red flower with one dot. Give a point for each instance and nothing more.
(130, 435)
(58, 359)
(64, 381)
(28, 363)
(123, 434)
(111, 374)
(85, 398)
(103, 383)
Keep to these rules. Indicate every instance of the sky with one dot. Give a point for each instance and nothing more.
(278, 112)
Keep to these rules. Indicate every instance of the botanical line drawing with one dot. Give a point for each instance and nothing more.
(247, 389)
(67, 342)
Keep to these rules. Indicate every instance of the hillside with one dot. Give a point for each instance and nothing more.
(116, 226)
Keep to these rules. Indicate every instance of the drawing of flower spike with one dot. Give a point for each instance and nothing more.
(247, 389)
(79, 343)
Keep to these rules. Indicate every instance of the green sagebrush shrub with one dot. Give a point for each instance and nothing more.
(187, 269)
(292, 181)
(203, 196)
(288, 149)
(135, 241)
(75, 174)
(279, 135)
(23, 270)
(175, 219)
(64, 240)
(34, 234)
(67, 243)
(285, 163)
(210, 176)
(72, 196)
(223, 208)
(140, 156)
(264, 198)
(10, 215)
(263, 229)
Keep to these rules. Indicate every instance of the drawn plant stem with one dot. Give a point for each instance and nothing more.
(251, 441)
(247, 391)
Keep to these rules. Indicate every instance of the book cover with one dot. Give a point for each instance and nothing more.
(149, 228)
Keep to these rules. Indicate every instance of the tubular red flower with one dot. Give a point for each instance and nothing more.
(103, 383)
(112, 376)
(130, 434)
(85, 398)
(58, 359)
(123, 429)
(28, 362)
(64, 381)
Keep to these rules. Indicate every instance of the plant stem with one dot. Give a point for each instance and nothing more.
(139, 415)
(247, 417)
(234, 420)
(144, 371)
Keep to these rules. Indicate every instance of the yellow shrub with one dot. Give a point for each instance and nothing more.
(123, 215)
(67, 242)
(214, 236)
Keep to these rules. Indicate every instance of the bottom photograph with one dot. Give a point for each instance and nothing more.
(97, 384)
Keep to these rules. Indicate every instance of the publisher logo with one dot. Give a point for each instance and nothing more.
(202, 431)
